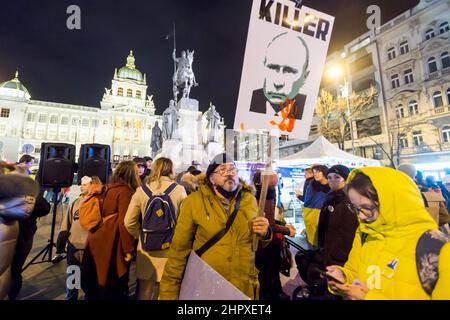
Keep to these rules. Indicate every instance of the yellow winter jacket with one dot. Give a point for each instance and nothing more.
(201, 216)
(387, 260)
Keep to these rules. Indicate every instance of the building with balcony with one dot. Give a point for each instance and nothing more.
(415, 60)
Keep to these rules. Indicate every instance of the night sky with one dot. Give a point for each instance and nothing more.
(74, 66)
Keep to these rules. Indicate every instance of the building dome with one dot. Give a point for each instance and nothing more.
(14, 88)
(129, 71)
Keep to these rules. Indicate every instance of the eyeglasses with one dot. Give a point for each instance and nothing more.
(223, 171)
(368, 212)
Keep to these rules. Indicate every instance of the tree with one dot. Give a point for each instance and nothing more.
(394, 146)
(336, 114)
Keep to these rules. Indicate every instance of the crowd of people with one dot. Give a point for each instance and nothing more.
(374, 233)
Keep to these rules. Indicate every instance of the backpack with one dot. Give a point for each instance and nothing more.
(427, 256)
(91, 208)
(158, 224)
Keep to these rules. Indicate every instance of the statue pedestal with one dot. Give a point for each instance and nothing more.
(172, 149)
(188, 104)
(212, 150)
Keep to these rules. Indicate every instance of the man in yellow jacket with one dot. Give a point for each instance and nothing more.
(203, 214)
(382, 262)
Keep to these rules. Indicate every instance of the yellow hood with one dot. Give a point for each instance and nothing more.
(402, 209)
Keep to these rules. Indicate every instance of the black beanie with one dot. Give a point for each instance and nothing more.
(339, 169)
(217, 161)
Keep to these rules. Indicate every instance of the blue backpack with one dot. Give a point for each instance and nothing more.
(159, 221)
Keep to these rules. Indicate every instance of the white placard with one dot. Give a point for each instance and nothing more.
(283, 64)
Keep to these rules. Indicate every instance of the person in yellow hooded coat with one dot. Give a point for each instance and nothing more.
(382, 262)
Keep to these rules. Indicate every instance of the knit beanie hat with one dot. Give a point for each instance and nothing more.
(339, 169)
(217, 161)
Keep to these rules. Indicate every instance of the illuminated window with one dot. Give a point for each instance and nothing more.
(429, 34)
(120, 91)
(444, 27)
(404, 48)
(446, 134)
(403, 141)
(413, 108)
(432, 65)
(64, 120)
(54, 119)
(138, 94)
(418, 138)
(391, 53)
(31, 117)
(400, 111)
(437, 99)
(129, 93)
(4, 113)
(395, 81)
(445, 58)
(409, 78)
(63, 135)
(51, 134)
(42, 118)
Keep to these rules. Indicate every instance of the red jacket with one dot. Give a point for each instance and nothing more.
(112, 234)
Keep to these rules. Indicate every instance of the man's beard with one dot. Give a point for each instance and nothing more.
(227, 190)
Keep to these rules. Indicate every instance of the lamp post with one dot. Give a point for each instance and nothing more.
(335, 72)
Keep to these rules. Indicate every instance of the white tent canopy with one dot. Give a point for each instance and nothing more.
(323, 151)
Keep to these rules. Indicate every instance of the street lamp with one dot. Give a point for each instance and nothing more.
(335, 72)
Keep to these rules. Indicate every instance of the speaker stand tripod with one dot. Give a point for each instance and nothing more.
(48, 249)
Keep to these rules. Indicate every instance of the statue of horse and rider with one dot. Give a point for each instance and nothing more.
(183, 77)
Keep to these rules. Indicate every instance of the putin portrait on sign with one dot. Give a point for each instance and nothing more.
(285, 72)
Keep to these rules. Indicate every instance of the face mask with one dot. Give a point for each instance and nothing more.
(226, 194)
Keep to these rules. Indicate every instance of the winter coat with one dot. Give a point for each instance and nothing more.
(9, 230)
(202, 216)
(314, 198)
(337, 227)
(12, 188)
(148, 263)
(388, 253)
(110, 243)
(71, 229)
(436, 207)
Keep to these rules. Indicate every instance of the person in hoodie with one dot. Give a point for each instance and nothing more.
(382, 262)
(314, 197)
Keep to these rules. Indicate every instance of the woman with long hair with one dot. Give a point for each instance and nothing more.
(150, 263)
(110, 247)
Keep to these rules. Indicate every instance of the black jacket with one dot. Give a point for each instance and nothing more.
(337, 227)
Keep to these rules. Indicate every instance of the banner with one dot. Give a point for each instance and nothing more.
(283, 64)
